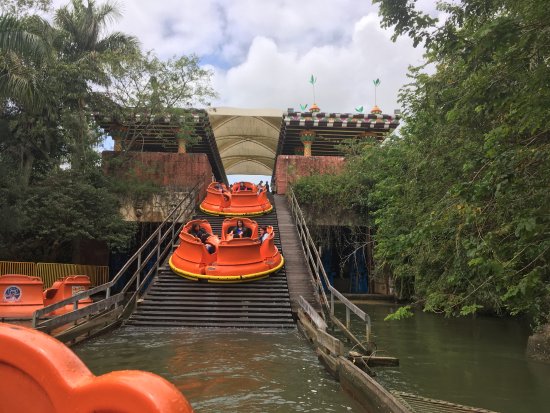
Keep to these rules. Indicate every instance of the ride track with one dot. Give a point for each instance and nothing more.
(172, 301)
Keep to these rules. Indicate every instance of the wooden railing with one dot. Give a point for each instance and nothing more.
(128, 285)
(321, 280)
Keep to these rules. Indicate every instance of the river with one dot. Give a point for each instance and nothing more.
(225, 370)
(477, 361)
(474, 361)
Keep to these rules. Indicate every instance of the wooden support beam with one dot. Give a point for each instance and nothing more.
(374, 361)
(329, 343)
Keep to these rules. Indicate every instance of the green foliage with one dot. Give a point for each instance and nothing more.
(460, 201)
(24, 7)
(322, 192)
(400, 314)
(64, 208)
(52, 78)
(476, 141)
(144, 88)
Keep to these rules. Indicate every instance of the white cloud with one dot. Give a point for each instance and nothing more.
(263, 52)
(269, 76)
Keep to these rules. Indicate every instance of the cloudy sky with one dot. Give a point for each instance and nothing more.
(263, 52)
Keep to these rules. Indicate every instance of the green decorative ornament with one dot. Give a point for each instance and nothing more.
(307, 136)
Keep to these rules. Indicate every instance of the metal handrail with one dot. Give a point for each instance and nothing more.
(160, 242)
(318, 271)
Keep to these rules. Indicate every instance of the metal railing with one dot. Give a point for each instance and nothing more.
(320, 276)
(128, 285)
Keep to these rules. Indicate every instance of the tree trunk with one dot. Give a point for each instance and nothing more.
(27, 161)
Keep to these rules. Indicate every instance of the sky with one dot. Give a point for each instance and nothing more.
(263, 52)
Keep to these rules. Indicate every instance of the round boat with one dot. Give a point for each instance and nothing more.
(65, 288)
(243, 198)
(227, 259)
(21, 296)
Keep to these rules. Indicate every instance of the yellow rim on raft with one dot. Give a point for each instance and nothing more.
(227, 278)
(235, 214)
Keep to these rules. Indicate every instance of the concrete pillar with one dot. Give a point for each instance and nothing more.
(307, 137)
(118, 144)
(181, 146)
(307, 148)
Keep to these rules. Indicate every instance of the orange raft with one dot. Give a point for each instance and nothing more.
(21, 295)
(40, 374)
(248, 199)
(232, 259)
(65, 288)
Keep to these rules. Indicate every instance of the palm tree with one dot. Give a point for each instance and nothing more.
(22, 51)
(81, 26)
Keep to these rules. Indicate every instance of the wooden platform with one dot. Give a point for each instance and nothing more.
(297, 272)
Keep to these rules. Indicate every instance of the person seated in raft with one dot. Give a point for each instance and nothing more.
(204, 239)
(220, 187)
(261, 187)
(196, 230)
(262, 234)
(240, 231)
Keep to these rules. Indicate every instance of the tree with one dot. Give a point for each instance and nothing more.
(41, 132)
(22, 54)
(87, 57)
(20, 8)
(144, 88)
(460, 200)
(65, 207)
(473, 160)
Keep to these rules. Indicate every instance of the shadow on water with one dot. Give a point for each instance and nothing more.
(473, 361)
(225, 370)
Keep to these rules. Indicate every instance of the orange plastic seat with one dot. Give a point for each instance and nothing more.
(21, 296)
(232, 222)
(41, 375)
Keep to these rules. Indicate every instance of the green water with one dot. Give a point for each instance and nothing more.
(473, 361)
(227, 370)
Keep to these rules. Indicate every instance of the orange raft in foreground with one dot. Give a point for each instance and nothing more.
(40, 374)
(245, 199)
(231, 259)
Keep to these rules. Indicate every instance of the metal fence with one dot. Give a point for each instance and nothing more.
(50, 272)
